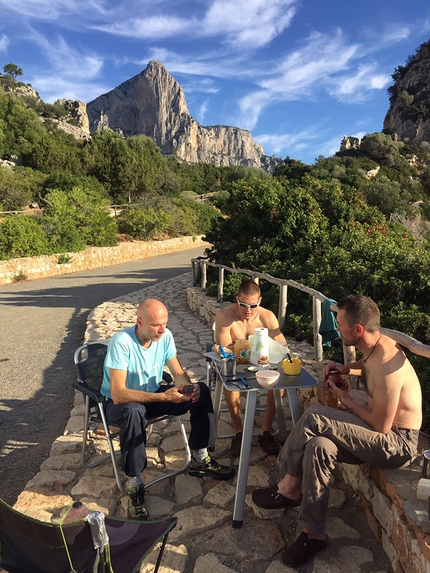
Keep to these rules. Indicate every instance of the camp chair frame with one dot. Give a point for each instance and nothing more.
(89, 361)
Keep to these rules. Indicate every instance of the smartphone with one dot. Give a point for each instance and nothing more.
(187, 389)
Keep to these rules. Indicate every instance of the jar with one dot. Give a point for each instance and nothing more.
(241, 349)
(336, 378)
(263, 363)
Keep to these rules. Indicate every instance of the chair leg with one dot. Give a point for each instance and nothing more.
(86, 424)
(160, 553)
(113, 454)
(187, 462)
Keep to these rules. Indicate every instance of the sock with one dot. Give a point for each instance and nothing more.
(135, 481)
(200, 455)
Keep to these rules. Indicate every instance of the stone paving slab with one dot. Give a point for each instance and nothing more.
(204, 538)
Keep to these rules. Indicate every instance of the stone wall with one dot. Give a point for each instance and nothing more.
(388, 497)
(93, 257)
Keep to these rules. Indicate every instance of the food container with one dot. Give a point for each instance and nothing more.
(336, 378)
(292, 368)
(228, 366)
(267, 378)
(263, 363)
(242, 350)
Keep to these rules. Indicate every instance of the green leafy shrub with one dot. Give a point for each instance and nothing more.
(22, 236)
(18, 187)
(143, 223)
(76, 219)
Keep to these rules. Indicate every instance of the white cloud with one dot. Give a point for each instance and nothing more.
(68, 62)
(323, 65)
(54, 87)
(355, 87)
(205, 85)
(394, 33)
(51, 10)
(249, 22)
(149, 27)
(4, 43)
(287, 142)
(212, 64)
(201, 114)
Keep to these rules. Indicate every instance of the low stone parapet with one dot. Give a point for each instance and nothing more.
(28, 268)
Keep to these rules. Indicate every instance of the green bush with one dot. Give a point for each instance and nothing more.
(144, 224)
(78, 218)
(22, 236)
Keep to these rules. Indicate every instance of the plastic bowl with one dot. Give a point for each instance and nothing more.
(267, 378)
(292, 368)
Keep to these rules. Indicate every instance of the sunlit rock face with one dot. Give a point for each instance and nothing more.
(409, 113)
(153, 104)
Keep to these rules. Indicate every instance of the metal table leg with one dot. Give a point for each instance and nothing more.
(280, 416)
(242, 476)
(294, 405)
(217, 403)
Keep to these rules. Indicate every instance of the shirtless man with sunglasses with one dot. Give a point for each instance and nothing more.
(238, 321)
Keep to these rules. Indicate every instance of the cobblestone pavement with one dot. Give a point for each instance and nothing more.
(204, 538)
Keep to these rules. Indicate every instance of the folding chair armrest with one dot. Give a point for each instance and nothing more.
(94, 395)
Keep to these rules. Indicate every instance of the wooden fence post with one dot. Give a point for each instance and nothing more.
(220, 284)
(203, 271)
(283, 302)
(317, 314)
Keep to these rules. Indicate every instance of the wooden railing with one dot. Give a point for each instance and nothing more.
(200, 264)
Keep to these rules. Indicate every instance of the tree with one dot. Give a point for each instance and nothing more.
(12, 70)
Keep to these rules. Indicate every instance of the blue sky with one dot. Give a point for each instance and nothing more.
(299, 74)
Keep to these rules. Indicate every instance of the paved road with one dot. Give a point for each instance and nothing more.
(41, 324)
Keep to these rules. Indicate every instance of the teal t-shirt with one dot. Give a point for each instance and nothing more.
(144, 365)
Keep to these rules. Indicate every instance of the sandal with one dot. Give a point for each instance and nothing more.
(269, 498)
(303, 550)
(236, 443)
(268, 443)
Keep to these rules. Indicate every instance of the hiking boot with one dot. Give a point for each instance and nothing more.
(268, 443)
(210, 467)
(136, 508)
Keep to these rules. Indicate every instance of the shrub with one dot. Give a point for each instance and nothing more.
(22, 236)
(76, 219)
(143, 223)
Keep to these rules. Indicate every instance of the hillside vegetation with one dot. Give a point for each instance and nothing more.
(75, 181)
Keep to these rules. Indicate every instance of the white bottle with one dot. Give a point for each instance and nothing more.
(423, 489)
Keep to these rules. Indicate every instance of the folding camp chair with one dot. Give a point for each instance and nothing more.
(28, 545)
(89, 360)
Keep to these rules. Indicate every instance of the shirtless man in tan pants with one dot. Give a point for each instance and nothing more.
(383, 433)
(238, 321)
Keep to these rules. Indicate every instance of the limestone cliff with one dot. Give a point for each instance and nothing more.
(409, 113)
(153, 104)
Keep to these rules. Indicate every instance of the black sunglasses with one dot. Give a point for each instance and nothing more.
(246, 306)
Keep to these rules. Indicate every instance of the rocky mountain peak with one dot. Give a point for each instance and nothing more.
(409, 113)
(153, 104)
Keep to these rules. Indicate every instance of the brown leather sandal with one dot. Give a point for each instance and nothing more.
(269, 498)
(302, 550)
